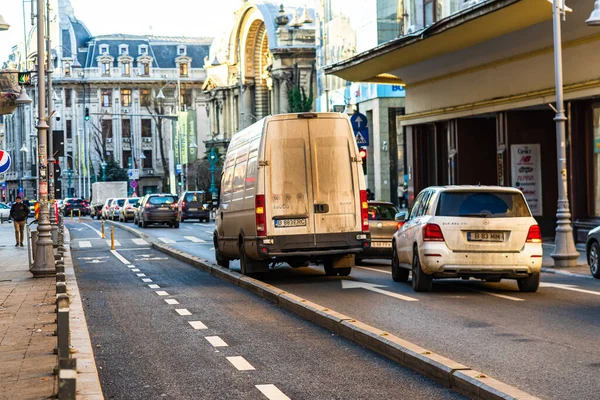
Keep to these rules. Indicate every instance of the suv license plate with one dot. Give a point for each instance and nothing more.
(192, 209)
(381, 244)
(485, 236)
(287, 223)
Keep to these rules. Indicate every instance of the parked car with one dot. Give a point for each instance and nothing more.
(75, 205)
(195, 205)
(129, 208)
(4, 212)
(485, 232)
(382, 225)
(309, 204)
(593, 251)
(106, 208)
(115, 208)
(157, 208)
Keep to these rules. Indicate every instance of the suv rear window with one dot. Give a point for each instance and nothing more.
(120, 202)
(133, 202)
(382, 212)
(482, 204)
(161, 200)
(193, 197)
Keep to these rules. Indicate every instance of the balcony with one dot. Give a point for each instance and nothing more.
(126, 140)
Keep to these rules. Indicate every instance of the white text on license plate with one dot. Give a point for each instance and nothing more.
(485, 236)
(381, 244)
(287, 223)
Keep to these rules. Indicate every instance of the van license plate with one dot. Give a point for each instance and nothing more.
(485, 236)
(192, 209)
(287, 223)
(381, 244)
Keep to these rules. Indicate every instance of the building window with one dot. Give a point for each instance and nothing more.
(68, 129)
(147, 162)
(105, 69)
(126, 129)
(145, 98)
(126, 97)
(185, 98)
(104, 49)
(429, 12)
(181, 51)
(143, 49)
(145, 69)
(126, 69)
(107, 132)
(67, 69)
(125, 159)
(183, 69)
(147, 128)
(68, 98)
(106, 97)
(123, 49)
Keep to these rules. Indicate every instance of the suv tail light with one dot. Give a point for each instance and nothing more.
(534, 235)
(364, 211)
(432, 233)
(147, 206)
(183, 203)
(399, 225)
(116, 207)
(261, 218)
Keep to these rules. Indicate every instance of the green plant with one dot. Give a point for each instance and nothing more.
(298, 101)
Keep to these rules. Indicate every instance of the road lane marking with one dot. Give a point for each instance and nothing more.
(216, 341)
(85, 244)
(141, 275)
(271, 392)
(120, 257)
(108, 242)
(139, 242)
(94, 229)
(166, 240)
(153, 286)
(212, 248)
(135, 270)
(146, 280)
(92, 258)
(162, 293)
(183, 311)
(171, 301)
(136, 249)
(573, 288)
(347, 284)
(194, 239)
(376, 270)
(240, 363)
(209, 232)
(197, 325)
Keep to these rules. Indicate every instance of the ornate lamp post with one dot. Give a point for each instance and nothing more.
(69, 176)
(103, 165)
(213, 158)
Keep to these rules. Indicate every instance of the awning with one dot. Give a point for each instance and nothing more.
(464, 29)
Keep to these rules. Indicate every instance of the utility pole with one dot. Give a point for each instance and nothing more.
(43, 265)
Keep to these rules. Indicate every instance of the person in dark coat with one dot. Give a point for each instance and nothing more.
(19, 212)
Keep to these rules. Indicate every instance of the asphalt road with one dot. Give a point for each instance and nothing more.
(193, 336)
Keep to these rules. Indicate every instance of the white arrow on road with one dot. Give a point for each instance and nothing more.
(374, 288)
(569, 287)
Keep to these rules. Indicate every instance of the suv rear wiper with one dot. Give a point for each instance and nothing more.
(480, 215)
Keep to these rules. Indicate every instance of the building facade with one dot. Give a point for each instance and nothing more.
(479, 91)
(129, 99)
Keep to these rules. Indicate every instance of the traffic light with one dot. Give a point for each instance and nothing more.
(87, 114)
(363, 156)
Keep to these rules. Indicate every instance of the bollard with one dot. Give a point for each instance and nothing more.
(60, 268)
(60, 277)
(63, 330)
(61, 299)
(112, 237)
(71, 215)
(67, 384)
(103, 237)
(78, 215)
(61, 287)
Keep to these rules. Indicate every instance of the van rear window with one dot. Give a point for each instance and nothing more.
(482, 204)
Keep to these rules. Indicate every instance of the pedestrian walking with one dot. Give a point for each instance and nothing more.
(19, 212)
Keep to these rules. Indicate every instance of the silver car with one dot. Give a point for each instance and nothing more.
(593, 251)
(115, 208)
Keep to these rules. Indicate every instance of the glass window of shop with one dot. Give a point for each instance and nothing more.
(596, 160)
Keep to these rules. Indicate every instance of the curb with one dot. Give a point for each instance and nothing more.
(451, 374)
(88, 383)
(565, 273)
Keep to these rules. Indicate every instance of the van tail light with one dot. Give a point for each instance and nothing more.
(534, 235)
(364, 211)
(261, 218)
(432, 233)
(147, 205)
(399, 225)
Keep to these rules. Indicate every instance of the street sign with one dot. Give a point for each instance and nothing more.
(3, 185)
(43, 188)
(178, 168)
(359, 126)
(362, 137)
(4, 161)
(133, 174)
(133, 184)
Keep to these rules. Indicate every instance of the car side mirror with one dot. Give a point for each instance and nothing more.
(400, 217)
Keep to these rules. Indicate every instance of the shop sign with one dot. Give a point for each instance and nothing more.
(526, 169)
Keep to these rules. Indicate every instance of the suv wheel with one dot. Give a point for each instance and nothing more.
(594, 259)
(176, 225)
(529, 284)
(328, 266)
(144, 224)
(399, 274)
(421, 282)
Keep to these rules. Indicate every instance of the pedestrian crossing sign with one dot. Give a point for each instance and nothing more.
(362, 137)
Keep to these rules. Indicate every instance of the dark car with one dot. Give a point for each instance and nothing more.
(593, 251)
(194, 205)
(75, 205)
(382, 225)
(157, 209)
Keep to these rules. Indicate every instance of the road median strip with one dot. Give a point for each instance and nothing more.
(451, 374)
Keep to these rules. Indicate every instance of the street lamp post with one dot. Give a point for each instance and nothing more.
(50, 164)
(43, 265)
(103, 165)
(213, 158)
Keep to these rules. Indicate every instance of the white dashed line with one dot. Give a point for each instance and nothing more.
(108, 242)
(194, 239)
(139, 242)
(197, 325)
(85, 244)
(94, 229)
(135, 270)
(183, 311)
(240, 363)
(271, 392)
(171, 301)
(120, 257)
(212, 248)
(162, 293)
(131, 266)
(377, 270)
(141, 275)
(154, 286)
(166, 240)
(211, 232)
(146, 280)
(216, 341)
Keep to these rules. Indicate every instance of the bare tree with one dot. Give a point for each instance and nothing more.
(157, 111)
(99, 141)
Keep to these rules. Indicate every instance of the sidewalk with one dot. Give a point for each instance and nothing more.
(581, 270)
(26, 325)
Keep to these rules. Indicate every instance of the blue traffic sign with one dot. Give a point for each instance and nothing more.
(3, 185)
(362, 137)
(358, 121)
(4, 161)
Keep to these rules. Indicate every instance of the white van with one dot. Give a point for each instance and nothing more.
(293, 191)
